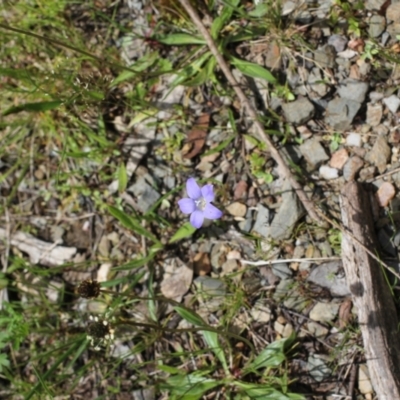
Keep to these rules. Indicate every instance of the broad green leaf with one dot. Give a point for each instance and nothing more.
(247, 34)
(34, 107)
(131, 223)
(266, 176)
(4, 362)
(260, 10)
(95, 95)
(273, 355)
(210, 337)
(16, 73)
(252, 140)
(139, 66)
(135, 263)
(178, 39)
(122, 178)
(206, 74)
(190, 387)
(170, 370)
(220, 147)
(183, 232)
(223, 18)
(190, 316)
(265, 392)
(191, 70)
(253, 70)
(143, 115)
(213, 343)
(48, 375)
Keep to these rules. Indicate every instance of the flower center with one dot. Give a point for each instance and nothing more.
(200, 203)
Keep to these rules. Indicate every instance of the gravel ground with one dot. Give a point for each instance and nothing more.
(336, 121)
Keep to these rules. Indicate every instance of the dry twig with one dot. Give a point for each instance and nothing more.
(307, 203)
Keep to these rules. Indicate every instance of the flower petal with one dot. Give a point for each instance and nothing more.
(212, 212)
(197, 219)
(208, 193)
(186, 205)
(193, 189)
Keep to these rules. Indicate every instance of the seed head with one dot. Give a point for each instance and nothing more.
(89, 289)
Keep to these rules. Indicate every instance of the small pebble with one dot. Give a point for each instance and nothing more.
(392, 103)
(339, 158)
(328, 172)
(237, 209)
(353, 139)
(385, 194)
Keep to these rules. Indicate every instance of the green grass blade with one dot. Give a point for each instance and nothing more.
(185, 231)
(179, 39)
(253, 70)
(131, 223)
(34, 107)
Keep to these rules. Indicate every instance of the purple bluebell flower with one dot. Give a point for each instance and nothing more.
(198, 205)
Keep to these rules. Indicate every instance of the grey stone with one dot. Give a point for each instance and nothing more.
(318, 368)
(367, 173)
(144, 394)
(325, 57)
(261, 225)
(313, 152)
(170, 182)
(304, 17)
(282, 289)
(316, 83)
(261, 311)
(282, 271)
(210, 286)
(352, 89)
(339, 42)
(392, 103)
(324, 312)
(295, 301)
(341, 112)
(288, 7)
(330, 276)
(146, 195)
(246, 225)
(377, 25)
(286, 292)
(385, 38)
(393, 29)
(393, 12)
(299, 111)
(351, 168)
(374, 114)
(290, 211)
(218, 255)
(211, 293)
(374, 4)
(317, 330)
(379, 154)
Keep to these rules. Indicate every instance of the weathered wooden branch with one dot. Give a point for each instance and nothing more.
(371, 295)
(39, 252)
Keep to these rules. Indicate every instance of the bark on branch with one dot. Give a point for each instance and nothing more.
(371, 294)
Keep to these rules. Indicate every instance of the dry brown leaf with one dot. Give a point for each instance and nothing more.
(196, 138)
(345, 313)
(201, 264)
(240, 192)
